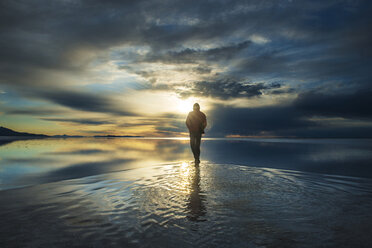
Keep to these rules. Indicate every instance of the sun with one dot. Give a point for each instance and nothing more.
(184, 105)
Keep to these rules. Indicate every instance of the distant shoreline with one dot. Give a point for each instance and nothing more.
(6, 134)
(4, 137)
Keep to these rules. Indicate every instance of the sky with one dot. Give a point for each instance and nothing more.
(257, 68)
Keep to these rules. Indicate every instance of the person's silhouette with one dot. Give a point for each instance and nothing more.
(196, 122)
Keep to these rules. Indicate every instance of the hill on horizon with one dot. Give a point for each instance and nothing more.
(9, 132)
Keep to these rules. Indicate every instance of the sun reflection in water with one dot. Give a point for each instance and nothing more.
(184, 184)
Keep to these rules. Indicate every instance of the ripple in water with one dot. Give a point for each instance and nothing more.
(182, 205)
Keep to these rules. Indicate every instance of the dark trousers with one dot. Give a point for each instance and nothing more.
(195, 144)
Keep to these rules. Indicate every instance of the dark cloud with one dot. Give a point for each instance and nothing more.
(297, 119)
(271, 120)
(171, 116)
(284, 121)
(63, 100)
(84, 121)
(268, 63)
(48, 35)
(197, 55)
(220, 88)
(306, 37)
(84, 101)
(139, 123)
(202, 69)
(355, 105)
(282, 91)
(36, 111)
(225, 89)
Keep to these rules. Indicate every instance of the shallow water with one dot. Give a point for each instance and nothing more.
(145, 193)
(182, 205)
(30, 162)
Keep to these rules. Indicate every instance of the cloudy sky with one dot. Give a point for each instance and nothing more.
(258, 68)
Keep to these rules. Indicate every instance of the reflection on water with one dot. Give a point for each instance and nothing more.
(47, 160)
(29, 162)
(196, 205)
(145, 193)
(183, 205)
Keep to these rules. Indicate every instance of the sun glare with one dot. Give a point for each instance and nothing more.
(184, 106)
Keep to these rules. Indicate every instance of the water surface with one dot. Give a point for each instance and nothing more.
(147, 193)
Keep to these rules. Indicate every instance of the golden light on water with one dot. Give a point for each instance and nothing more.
(185, 172)
(185, 169)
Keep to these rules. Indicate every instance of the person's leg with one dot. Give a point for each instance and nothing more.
(192, 143)
(197, 146)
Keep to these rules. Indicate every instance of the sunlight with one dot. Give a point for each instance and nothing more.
(184, 106)
(184, 183)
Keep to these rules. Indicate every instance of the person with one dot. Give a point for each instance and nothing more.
(196, 122)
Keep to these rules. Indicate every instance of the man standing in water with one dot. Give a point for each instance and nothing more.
(196, 122)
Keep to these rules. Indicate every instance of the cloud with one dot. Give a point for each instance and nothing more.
(356, 105)
(84, 121)
(297, 118)
(84, 101)
(171, 127)
(305, 38)
(273, 120)
(259, 39)
(35, 111)
(282, 121)
(49, 50)
(220, 88)
(226, 89)
(189, 55)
